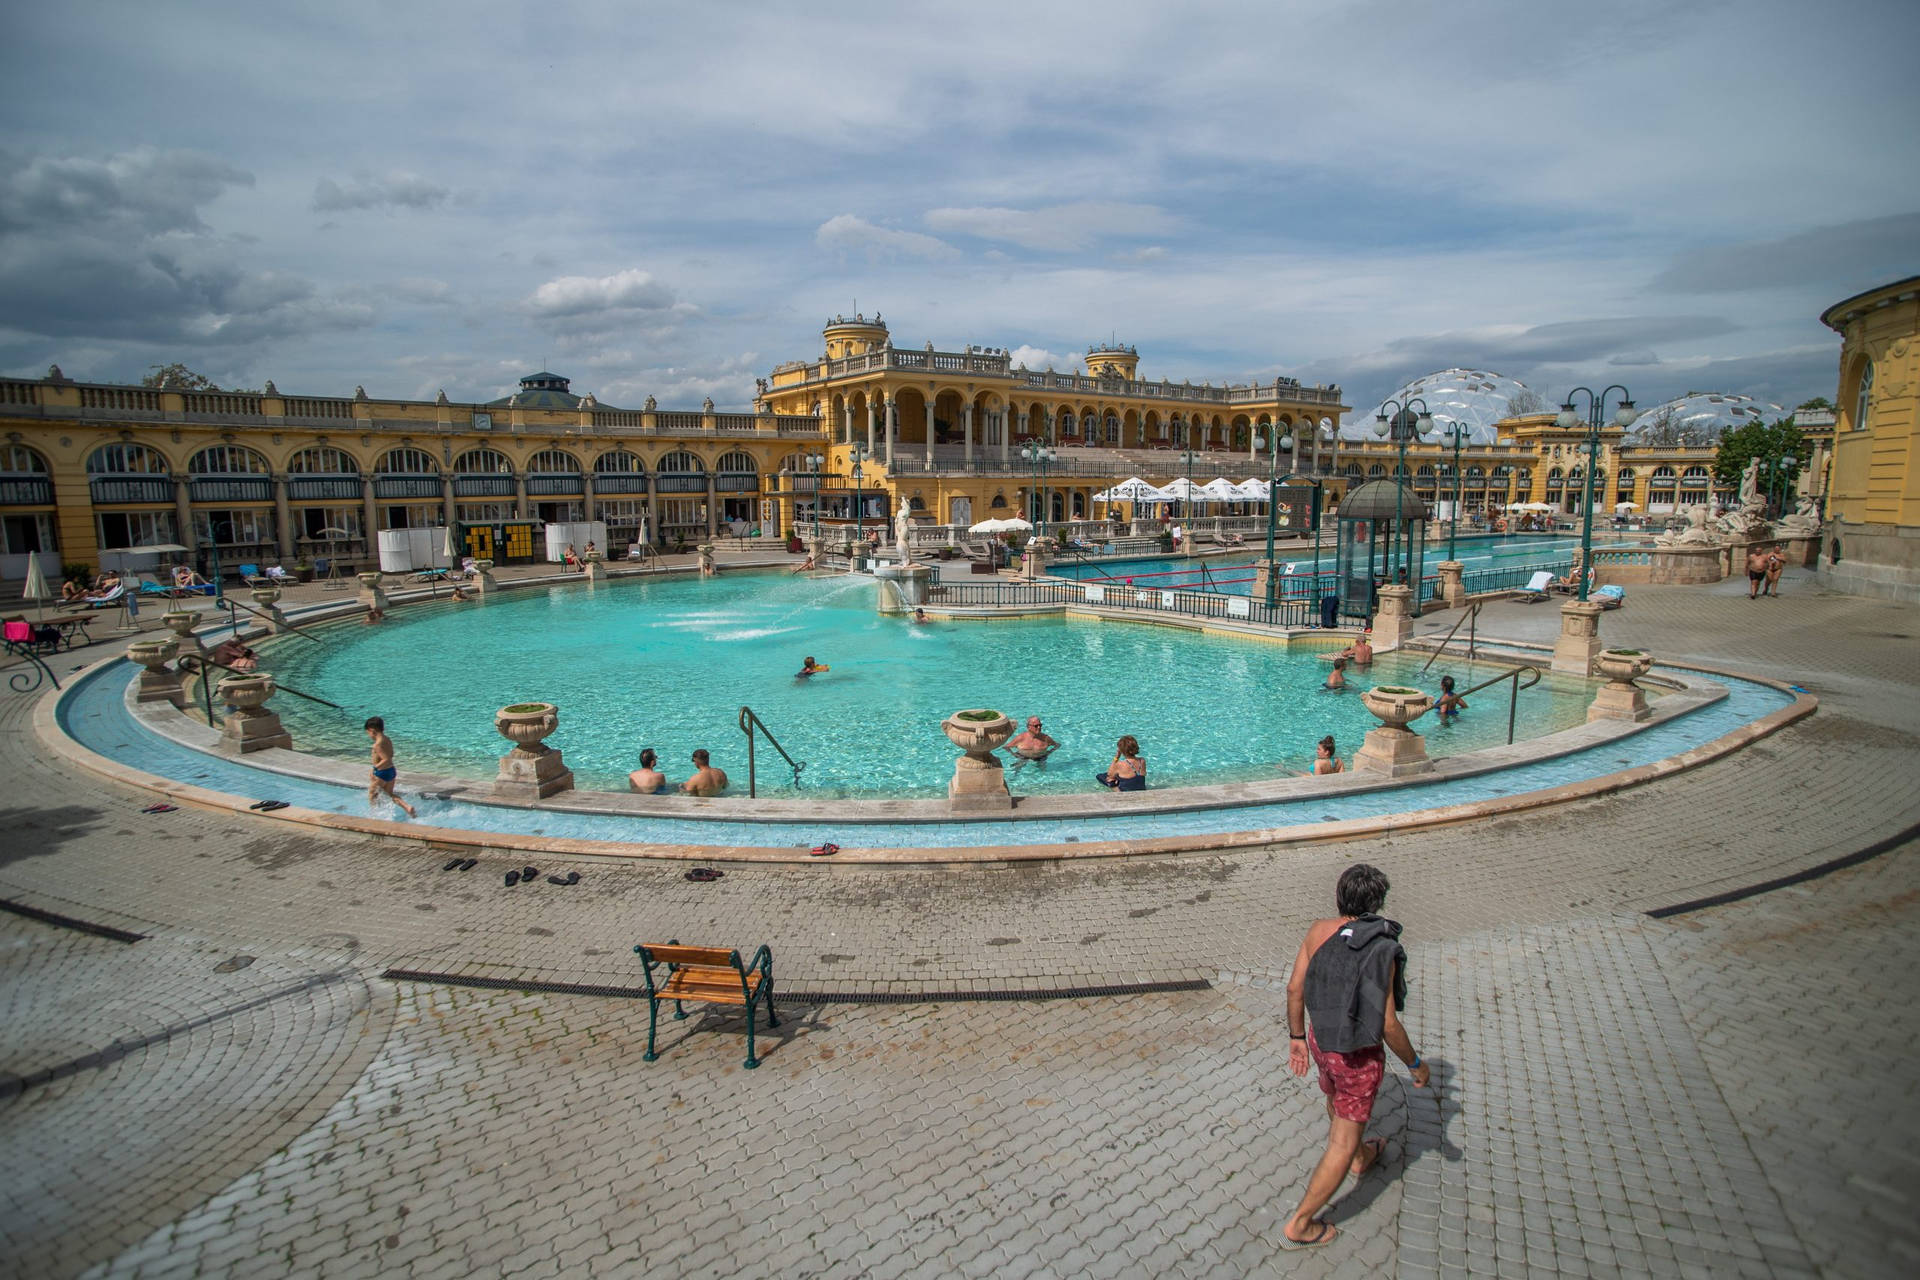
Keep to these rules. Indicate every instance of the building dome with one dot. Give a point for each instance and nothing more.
(1473, 396)
(1376, 499)
(541, 390)
(1700, 418)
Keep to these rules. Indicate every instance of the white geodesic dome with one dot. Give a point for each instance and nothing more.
(1473, 396)
(1701, 416)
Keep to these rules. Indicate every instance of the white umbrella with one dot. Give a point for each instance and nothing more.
(1010, 524)
(1251, 490)
(36, 588)
(1134, 489)
(1221, 489)
(1626, 506)
(1182, 490)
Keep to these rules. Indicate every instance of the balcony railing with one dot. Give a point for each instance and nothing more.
(481, 487)
(619, 482)
(681, 483)
(231, 489)
(554, 485)
(31, 491)
(397, 486)
(327, 488)
(120, 490)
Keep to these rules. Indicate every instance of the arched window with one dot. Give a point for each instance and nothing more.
(736, 472)
(1694, 473)
(1524, 477)
(1626, 477)
(1555, 478)
(408, 462)
(127, 460)
(1863, 398)
(24, 481)
(1424, 471)
(1663, 478)
(619, 462)
(1353, 469)
(1476, 473)
(1376, 470)
(483, 462)
(227, 460)
(554, 462)
(322, 460)
(680, 462)
(17, 459)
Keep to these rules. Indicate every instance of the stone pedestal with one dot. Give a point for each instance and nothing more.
(532, 770)
(903, 587)
(979, 783)
(1033, 562)
(1393, 623)
(1620, 698)
(704, 553)
(594, 568)
(816, 548)
(1394, 749)
(1579, 642)
(370, 593)
(250, 726)
(158, 683)
(483, 579)
(267, 601)
(862, 552)
(1453, 586)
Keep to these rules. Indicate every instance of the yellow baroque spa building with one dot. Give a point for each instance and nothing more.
(1872, 546)
(957, 436)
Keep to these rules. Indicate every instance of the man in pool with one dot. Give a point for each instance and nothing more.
(808, 668)
(646, 779)
(1033, 744)
(706, 780)
(1337, 678)
(920, 615)
(1360, 651)
(384, 771)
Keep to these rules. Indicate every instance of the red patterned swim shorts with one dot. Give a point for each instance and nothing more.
(1351, 1079)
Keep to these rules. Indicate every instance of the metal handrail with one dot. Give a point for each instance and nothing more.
(202, 662)
(26, 682)
(748, 723)
(1473, 612)
(233, 620)
(1513, 700)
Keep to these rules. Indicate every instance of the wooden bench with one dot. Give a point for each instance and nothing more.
(706, 975)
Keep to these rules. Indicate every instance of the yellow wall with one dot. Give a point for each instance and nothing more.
(1874, 476)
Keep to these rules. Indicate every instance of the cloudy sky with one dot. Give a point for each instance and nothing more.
(670, 199)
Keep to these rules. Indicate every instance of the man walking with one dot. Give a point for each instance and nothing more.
(1343, 1003)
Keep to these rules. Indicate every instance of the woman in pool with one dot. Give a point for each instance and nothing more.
(1451, 704)
(1128, 772)
(1325, 760)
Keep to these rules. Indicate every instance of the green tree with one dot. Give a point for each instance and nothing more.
(1818, 402)
(177, 377)
(1779, 444)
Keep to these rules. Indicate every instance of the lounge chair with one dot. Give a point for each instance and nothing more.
(251, 575)
(1611, 596)
(147, 585)
(279, 577)
(111, 598)
(1536, 589)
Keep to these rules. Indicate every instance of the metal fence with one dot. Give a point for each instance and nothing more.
(1506, 577)
(1181, 602)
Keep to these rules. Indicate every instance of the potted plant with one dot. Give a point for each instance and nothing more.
(303, 569)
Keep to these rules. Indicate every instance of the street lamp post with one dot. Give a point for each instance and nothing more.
(1457, 434)
(1275, 442)
(859, 456)
(1596, 418)
(1416, 427)
(1186, 456)
(816, 462)
(1038, 456)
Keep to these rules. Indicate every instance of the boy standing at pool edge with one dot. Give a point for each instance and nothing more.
(384, 771)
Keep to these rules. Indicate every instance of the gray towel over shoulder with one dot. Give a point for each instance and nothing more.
(1347, 983)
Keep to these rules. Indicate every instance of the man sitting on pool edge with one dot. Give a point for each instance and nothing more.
(706, 780)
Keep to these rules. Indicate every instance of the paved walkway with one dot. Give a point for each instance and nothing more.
(1721, 1093)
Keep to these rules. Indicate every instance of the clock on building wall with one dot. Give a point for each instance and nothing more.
(483, 422)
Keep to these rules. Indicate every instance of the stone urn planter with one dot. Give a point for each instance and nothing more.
(265, 596)
(1620, 698)
(157, 683)
(370, 593)
(1394, 749)
(483, 576)
(182, 622)
(532, 770)
(1395, 705)
(979, 782)
(250, 726)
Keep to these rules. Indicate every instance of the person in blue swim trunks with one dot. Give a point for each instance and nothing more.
(1128, 772)
(384, 770)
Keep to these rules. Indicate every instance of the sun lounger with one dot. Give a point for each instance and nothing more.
(1536, 589)
(1611, 596)
(111, 598)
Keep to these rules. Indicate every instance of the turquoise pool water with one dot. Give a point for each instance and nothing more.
(668, 663)
(1233, 575)
(95, 714)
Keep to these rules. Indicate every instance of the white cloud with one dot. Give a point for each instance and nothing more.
(397, 190)
(847, 233)
(629, 290)
(1060, 227)
(1040, 358)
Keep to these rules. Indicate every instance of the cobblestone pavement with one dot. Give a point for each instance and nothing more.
(1606, 1103)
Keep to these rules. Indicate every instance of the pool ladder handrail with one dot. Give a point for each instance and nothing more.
(201, 662)
(233, 621)
(748, 723)
(1513, 699)
(1473, 612)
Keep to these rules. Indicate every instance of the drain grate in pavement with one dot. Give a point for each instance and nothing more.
(68, 922)
(807, 997)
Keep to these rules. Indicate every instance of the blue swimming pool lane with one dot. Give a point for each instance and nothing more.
(94, 713)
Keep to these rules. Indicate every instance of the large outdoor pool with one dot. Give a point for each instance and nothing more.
(668, 663)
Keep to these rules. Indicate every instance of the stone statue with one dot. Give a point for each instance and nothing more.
(1750, 486)
(1696, 534)
(1803, 523)
(902, 531)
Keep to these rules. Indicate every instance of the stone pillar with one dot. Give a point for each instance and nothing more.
(370, 520)
(589, 499)
(861, 552)
(250, 726)
(966, 419)
(1620, 698)
(446, 500)
(483, 579)
(282, 516)
(1006, 434)
(520, 508)
(893, 425)
(267, 600)
(183, 516)
(370, 593)
(1033, 561)
(1393, 623)
(903, 587)
(1394, 749)
(1579, 642)
(873, 424)
(846, 423)
(158, 683)
(929, 430)
(1453, 586)
(532, 770)
(713, 507)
